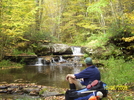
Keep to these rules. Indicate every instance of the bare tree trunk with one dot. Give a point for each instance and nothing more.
(113, 12)
(38, 16)
(61, 9)
(1, 37)
(103, 23)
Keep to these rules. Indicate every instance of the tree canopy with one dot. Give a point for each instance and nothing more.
(25, 22)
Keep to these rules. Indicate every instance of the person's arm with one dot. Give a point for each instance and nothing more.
(83, 74)
(70, 75)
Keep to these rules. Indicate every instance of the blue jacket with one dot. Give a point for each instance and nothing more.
(89, 74)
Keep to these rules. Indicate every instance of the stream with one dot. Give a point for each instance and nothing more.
(46, 75)
(42, 73)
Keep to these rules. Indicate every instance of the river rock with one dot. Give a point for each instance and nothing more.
(3, 87)
(51, 48)
(34, 93)
(28, 90)
(47, 94)
(3, 90)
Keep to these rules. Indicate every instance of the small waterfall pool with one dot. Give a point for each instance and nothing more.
(42, 75)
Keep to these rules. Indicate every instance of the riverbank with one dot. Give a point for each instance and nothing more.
(31, 91)
(28, 90)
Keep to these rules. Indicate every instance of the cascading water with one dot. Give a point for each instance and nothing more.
(39, 62)
(76, 51)
(75, 61)
(61, 59)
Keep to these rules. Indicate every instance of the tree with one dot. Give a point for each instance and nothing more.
(75, 21)
(51, 17)
(16, 17)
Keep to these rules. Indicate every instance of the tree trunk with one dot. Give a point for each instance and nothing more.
(1, 42)
(113, 12)
(103, 23)
(37, 27)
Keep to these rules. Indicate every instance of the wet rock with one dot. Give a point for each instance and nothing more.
(31, 89)
(3, 91)
(13, 90)
(3, 87)
(28, 90)
(34, 93)
(47, 94)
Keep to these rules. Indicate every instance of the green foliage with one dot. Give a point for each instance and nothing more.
(7, 63)
(117, 71)
(128, 98)
(43, 90)
(17, 52)
(74, 22)
(38, 36)
(24, 23)
(98, 40)
(16, 16)
(96, 7)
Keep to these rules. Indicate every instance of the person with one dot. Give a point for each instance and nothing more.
(88, 75)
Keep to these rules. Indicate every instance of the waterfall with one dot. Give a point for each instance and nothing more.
(61, 59)
(39, 62)
(76, 51)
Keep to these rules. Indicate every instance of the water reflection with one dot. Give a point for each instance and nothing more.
(42, 75)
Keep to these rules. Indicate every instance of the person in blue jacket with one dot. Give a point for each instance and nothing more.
(87, 75)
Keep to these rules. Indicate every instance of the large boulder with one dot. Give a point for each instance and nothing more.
(56, 49)
(61, 49)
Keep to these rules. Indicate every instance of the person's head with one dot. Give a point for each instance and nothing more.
(88, 61)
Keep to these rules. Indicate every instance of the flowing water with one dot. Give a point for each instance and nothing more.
(52, 74)
(41, 75)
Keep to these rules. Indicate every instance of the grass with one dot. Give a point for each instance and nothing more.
(117, 71)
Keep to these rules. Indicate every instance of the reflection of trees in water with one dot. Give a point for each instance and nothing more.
(76, 69)
(43, 75)
(54, 73)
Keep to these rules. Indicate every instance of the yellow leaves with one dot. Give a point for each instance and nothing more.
(130, 17)
(20, 37)
(129, 39)
(67, 14)
(130, 47)
(21, 44)
(16, 19)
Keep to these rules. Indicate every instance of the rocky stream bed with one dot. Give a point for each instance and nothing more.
(53, 93)
(30, 89)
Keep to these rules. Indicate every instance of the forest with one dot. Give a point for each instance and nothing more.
(103, 25)
(91, 23)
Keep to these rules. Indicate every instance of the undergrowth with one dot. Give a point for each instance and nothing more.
(117, 71)
(19, 52)
(98, 40)
(7, 63)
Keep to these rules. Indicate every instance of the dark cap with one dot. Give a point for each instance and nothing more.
(88, 60)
